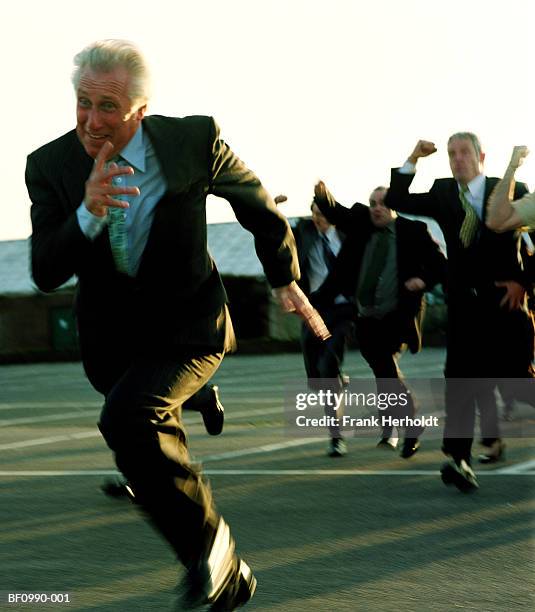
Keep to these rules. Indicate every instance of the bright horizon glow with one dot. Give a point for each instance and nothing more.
(302, 89)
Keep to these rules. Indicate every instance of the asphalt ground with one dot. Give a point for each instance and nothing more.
(368, 531)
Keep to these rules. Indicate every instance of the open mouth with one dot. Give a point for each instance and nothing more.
(95, 136)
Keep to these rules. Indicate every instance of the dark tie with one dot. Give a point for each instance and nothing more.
(376, 264)
(471, 220)
(328, 256)
(117, 227)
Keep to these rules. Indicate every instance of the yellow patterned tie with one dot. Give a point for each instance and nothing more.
(117, 228)
(471, 220)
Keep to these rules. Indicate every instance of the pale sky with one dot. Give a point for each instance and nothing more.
(302, 89)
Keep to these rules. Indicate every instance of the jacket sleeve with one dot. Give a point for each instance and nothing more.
(398, 196)
(57, 242)
(345, 219)
(255, 210)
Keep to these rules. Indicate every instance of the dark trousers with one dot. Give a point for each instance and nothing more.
(485, 343)
(380, 344)
(141, 422)
(323, 359)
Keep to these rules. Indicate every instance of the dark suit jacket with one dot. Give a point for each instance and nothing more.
(306, 236)
(418, 255)
(177, 298)
(492, 257)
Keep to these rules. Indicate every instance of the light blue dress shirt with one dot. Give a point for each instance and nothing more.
(148, 177)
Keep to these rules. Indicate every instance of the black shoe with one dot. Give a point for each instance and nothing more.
(213, 413)
(409, 448)
(460, 475)
(208, 579)
(118, 487)
(238, 591)
(495, 453)
(388, 443)
(337, 448)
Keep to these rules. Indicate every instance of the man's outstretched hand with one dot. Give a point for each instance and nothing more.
(292, 299)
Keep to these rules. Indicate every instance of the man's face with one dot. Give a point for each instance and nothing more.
(465, 163)
(380, 215)
(321, 223)
(104, 111)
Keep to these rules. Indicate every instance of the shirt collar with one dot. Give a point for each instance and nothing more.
(476, 187)
(134, 152)
(330, 233)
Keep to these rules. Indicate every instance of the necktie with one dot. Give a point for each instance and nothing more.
(117, 227)
(471, 221)
(368, 286)
(328, 256)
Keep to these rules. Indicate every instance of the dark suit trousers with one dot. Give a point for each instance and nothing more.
(323, 359)
(141, 422)
(380, 343)
(485, 343)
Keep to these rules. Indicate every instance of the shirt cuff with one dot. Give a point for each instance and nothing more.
(407, 168)
(90, 224)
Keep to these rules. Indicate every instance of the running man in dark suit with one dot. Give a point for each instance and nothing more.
(120, 203)
(318, 244)
(488, 326)
(384, 267)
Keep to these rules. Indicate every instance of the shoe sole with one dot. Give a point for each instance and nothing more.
(220, 410)
(249, 578)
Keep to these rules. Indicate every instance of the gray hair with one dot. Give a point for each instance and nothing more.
(106, 55)
(468, 136)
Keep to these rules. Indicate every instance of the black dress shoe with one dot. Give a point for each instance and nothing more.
(337, 448)
(238, 591)
(409, 448)
(388, 443)
(460, 475)
(213, 413)
(219, 578)
(495, 453)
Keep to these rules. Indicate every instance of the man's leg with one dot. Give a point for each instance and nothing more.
(323, 361)
(463, 360)
(489, 425)
(380, 345)
(141, 422)
(206, 401)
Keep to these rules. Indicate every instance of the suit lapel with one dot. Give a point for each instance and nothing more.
(167, 138)
(490, 183)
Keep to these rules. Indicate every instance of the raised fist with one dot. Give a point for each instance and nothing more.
(518, 156)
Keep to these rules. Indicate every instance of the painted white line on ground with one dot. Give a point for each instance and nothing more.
(98, 404)
(48, 418)
(519, 468)
(5, 473)
(255, 450)
(48, 404)
(51, 440)
(229, 414)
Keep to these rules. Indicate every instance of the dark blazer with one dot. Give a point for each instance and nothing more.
(491, 257)
(418, 255)
(306, 236)
(177, 298)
